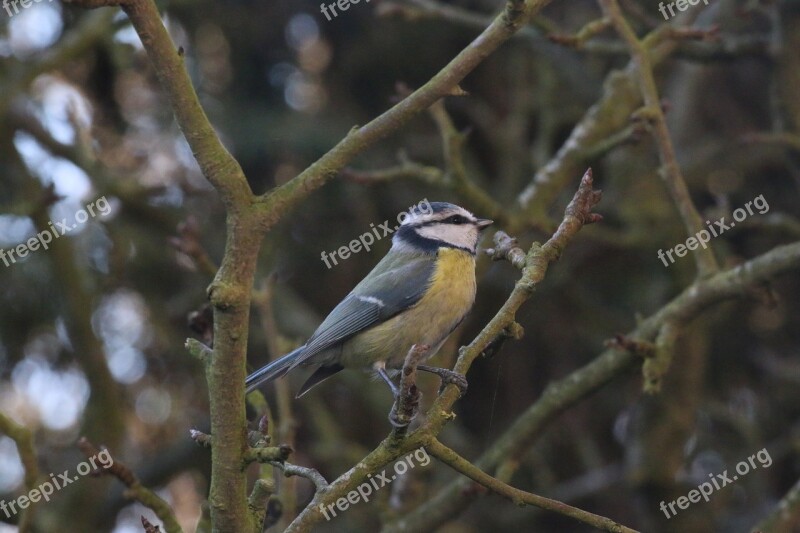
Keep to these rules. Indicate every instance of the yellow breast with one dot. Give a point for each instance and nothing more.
(452, 286)
(450, 295)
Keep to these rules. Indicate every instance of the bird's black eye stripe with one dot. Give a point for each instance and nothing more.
(453, 219)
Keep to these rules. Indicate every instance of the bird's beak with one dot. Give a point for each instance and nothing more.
(483, 223)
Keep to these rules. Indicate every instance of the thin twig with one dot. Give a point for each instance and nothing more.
(568, 391)
(520, 497)
(453, 147)
(267, 454)
(136, 491)
(406, 404)
(671, 170)
(788, 140)
(309, 473)
(577, 214)
(506, 248)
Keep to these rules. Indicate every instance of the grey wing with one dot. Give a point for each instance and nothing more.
(395, 284)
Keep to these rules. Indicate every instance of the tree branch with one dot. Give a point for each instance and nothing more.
(136, 491)
(267, 454)
(577, 214)
(609, 117)
(559, 395)
(671, 170)
(406, 405)
(320, 483)
(520, 497)
(277, 202)
(217, 164)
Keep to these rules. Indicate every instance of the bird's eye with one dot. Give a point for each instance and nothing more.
(456, 219)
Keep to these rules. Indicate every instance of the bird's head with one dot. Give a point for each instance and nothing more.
(440, 224)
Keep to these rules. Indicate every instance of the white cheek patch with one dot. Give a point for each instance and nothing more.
(461, 235)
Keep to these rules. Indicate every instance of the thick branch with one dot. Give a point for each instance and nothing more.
(277, 202)
(217, 164)
(577, 213)
(566, 392)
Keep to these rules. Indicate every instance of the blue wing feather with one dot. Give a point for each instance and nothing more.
(396, 283)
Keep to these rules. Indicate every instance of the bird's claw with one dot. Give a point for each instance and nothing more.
(448, 377)
(454, 378)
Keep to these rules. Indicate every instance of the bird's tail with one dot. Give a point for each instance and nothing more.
(275, 369)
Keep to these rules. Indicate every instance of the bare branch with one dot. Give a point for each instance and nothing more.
(671, 170)
(309, 473)
(520, 497)
(564, 393)
(406, 404)
(267, 454)
(278, 201)
(136, 491)
(506, 248)
(217, 164)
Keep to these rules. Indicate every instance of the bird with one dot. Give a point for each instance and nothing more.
(418, 293)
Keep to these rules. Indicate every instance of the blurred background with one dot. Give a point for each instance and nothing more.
(92, 330)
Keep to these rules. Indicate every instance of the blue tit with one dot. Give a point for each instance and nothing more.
(417, 294)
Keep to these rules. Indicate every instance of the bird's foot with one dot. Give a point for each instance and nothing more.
(448, 377)
(385, 377)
